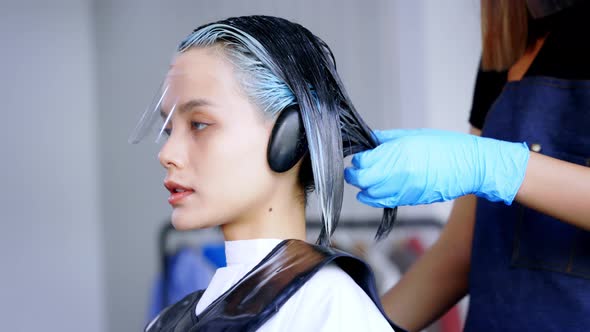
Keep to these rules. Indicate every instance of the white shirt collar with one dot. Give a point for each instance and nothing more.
(248, 252)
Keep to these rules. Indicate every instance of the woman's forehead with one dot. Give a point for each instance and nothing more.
(200, 72)
(204, 78)
(196, 61)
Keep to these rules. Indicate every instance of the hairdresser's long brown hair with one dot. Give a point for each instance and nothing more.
(504, 27)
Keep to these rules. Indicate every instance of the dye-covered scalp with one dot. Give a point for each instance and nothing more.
(280, 63)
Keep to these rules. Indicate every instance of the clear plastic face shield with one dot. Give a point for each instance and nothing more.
(543, 8)
(175, 92)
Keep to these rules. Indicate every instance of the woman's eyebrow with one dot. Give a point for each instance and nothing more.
(189, 106)
(192, 104)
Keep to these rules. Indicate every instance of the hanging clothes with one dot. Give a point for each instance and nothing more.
(187, 270)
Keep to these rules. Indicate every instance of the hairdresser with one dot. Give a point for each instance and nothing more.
(517, 240)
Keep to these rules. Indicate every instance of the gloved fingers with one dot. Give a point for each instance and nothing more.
(388, 186)
(389, 202)
(383, 136)
(361, 178)
(364, 159)
(369, 158)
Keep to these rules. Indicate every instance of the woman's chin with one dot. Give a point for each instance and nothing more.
(184, 222)
(182, 226)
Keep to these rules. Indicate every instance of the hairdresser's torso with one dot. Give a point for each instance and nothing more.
(530, 272)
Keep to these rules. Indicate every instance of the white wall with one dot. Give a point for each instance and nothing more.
(452, 50)
(50, 243)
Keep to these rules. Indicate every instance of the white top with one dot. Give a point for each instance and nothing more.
(329, 301)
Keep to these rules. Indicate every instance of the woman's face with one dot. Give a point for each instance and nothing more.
(215, 155)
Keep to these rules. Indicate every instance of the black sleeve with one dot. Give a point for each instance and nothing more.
(488, 86)
(566, 52)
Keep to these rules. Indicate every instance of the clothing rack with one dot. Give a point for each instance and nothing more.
(167, 228)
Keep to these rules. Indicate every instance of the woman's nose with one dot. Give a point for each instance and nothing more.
(171, 154)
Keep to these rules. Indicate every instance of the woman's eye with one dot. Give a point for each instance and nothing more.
(199, 125)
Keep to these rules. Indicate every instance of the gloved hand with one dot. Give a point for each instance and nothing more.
(412, 167)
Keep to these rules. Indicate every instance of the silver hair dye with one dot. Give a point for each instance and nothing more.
(255, 66)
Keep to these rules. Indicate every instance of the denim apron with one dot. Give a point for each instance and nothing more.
(531, 272)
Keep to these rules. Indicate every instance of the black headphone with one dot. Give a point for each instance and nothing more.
(287, 143)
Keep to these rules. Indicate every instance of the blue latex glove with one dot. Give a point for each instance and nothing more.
(412, 167)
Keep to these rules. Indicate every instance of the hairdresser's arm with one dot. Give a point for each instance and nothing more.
(412, 167)
(557, 188)
(439, 278)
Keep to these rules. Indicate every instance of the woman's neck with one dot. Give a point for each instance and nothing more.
(281, 217)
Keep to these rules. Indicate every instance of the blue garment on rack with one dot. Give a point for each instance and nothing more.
(215, 254)
(188, 271)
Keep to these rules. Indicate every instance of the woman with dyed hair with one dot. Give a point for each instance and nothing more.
(255, 117)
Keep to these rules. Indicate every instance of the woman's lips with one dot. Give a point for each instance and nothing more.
(177, 197)
(177, 191)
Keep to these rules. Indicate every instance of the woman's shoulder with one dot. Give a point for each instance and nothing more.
(330, 301)
(333, 280)
(335, 287)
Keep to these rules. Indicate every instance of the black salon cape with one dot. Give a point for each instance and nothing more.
(260, 294)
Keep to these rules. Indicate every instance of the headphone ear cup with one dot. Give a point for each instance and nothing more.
(287, 144)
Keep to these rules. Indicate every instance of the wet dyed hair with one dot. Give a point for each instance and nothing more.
(281, 63)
